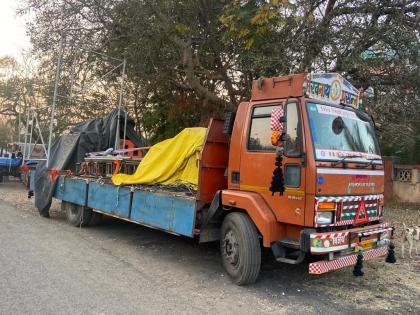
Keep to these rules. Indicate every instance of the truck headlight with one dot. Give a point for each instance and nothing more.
(324, 217)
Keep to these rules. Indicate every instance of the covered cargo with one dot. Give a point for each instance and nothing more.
(94, 135)
(172, 160)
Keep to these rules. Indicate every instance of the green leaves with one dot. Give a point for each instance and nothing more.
(250, 21)
(189, 60)
(182, 28)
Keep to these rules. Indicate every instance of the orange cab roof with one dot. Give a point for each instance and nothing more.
(327, 87)
(278, 87)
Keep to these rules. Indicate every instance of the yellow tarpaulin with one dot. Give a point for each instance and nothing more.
(169, 161)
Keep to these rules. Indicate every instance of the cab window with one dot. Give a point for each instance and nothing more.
(260, 133)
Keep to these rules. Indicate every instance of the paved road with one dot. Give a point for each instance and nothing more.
(49, 267)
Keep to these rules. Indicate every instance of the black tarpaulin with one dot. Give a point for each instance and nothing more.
(69, 149)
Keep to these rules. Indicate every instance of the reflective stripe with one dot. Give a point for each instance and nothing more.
(324, 266)
(349, 172)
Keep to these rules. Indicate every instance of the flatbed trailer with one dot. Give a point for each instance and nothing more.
(306, 196)
(171, 212)
(174, 209)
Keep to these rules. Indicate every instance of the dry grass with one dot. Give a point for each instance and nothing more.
(393, 288)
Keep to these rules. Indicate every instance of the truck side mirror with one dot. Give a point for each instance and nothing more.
(377, 128)
(377, 132)
(292, 132)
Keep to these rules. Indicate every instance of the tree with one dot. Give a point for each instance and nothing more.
(20, 88)
(191, 60)
(175, 52)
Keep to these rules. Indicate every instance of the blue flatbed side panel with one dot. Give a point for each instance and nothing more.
(109, 198)
(166, 212)
(71, 189)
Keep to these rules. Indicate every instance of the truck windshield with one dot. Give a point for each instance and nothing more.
(340, 133)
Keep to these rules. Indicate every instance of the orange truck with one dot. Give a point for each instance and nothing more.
(330, 200)
(296, 169)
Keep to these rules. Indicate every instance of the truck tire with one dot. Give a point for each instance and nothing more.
(240, 248)
(76, 215)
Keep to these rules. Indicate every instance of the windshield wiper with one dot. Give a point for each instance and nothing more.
(374, 159)
(370, 163)
(344, 160)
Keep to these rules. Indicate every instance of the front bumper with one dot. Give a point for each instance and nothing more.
(319, 267)
(323, 243)
(340, 246)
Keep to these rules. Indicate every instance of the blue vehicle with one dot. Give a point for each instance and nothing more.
(10, 166)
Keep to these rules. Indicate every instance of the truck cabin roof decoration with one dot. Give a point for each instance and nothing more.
(326, 87)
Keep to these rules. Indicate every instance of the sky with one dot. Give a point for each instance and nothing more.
(13, 38)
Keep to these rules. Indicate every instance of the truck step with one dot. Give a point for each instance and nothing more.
(282, 252)
(289, 244)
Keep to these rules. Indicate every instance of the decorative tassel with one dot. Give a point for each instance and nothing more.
(357, 271)
(390, 258)
(277, 182)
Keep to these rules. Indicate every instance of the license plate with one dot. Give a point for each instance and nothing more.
(367, 244)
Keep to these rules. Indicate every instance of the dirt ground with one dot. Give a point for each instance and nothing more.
(392, 287)
(385, 288)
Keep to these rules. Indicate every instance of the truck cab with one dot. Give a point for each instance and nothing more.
(328, 199)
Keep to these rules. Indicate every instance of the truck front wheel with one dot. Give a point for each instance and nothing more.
(240, 248)
(75, 214)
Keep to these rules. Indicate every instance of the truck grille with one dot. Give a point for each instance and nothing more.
(349, 209)
(348, 205)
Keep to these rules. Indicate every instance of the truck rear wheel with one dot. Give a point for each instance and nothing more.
(240, 248)
(75, 214)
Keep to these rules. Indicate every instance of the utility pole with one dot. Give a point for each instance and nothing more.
(54, 102)
(19, 122)
(25, 149)
(117, 133)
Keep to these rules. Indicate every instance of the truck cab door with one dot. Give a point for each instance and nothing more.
(258, 161)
